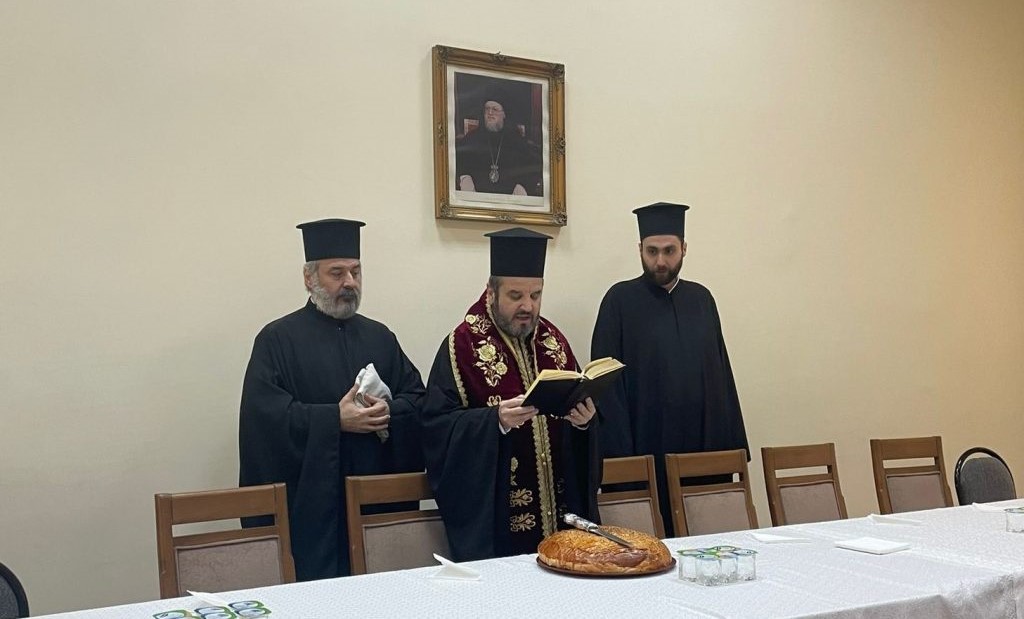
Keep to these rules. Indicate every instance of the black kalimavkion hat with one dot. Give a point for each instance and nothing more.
(330, 238)
(518, 252)
(661, 218)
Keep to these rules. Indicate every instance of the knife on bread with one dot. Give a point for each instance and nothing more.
(590, 527)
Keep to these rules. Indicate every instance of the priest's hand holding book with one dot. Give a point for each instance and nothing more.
(512, 413)
(563, 393)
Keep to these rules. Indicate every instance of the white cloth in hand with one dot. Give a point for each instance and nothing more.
(370, 383)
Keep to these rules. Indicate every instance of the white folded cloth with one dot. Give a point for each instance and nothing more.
(454, 571)
(208, 598)
(772, 538)
(872, 545)
(370, 383)
(879, 519)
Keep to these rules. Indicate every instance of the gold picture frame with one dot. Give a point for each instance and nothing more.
(499, 138)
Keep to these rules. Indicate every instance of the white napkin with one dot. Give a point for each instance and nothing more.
(879, 519)
(771, 538)
(996, 507)
(872, 545)
(454, 571)
(208, 598)
(370, 383)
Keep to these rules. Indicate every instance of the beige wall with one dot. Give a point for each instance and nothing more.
(856, 170)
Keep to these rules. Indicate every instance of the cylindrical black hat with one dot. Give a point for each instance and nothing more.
(330, 238)
(518, 252)
(661, 218)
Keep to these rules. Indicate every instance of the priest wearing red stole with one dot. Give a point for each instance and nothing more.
(503, 474)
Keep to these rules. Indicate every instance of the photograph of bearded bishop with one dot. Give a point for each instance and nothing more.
(504, 476)
(497, 145)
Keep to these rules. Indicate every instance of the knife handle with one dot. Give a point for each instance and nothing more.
(579, 523)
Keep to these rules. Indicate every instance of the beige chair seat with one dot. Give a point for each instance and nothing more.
(383, 542)
(804, 496)
(699, 509)
(223, 560)
(906, 488)
(637, 509)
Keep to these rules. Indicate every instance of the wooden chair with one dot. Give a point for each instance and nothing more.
(381, 542)
(223, 560)
(712, 507)
(910, 488)
(635, 509)
(802, 498)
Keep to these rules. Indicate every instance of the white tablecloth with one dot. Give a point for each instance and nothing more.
(961, 563)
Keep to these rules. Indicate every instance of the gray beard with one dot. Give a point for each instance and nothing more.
(494, 126)
(342, 306)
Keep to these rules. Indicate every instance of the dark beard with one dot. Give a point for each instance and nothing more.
(510, 329)
(661, 279)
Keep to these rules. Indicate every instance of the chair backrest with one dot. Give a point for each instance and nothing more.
(223, 560)
(803, 497)
(631, 507)
(982, 478)
(381, 542)
(716, 507)
(13, 603)
(910, 488)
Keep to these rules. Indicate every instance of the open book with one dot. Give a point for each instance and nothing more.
(556, 392)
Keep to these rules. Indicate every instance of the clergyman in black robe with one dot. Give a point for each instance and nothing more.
(503, 475)
(301, 422)
(677, 393)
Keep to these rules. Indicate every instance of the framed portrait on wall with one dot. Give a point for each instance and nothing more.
(499, 138)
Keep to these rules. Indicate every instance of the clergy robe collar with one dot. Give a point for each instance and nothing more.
(655, 288)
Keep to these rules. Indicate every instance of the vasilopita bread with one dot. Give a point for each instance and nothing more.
(586, 553)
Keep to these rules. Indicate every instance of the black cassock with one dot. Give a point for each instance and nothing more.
(290, 430)
(677, 394)
(468, 461)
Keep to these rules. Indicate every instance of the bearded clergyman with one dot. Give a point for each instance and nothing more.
(502, 474)
(305, 419)
(677, 394)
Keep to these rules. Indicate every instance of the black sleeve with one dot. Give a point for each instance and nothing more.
(613, 407)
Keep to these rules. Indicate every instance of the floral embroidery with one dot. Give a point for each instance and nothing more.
(478, 324)
(515, 465)
(493, 400)
(491, 361)
(554, 350)
(522, 522)
(520, 498)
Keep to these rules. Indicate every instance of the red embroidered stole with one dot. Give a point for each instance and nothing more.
(489, 367)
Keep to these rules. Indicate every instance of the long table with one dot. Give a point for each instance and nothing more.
(961, 563)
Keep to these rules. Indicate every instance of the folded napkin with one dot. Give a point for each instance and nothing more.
(454, 571)
(997, 507)
(771, 538)
(872, 545)
(879, 519)
(370, 383)
(209, 598)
